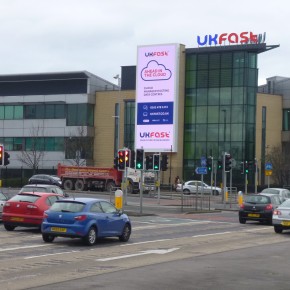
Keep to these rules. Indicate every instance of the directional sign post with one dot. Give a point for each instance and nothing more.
(268, 171)
(201, 170)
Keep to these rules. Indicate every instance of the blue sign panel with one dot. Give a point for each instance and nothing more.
(268, 166)
(201, 170)
(155, 113)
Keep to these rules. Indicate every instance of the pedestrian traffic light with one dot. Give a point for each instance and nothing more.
(164, 162)
(246, 167)
(242, 167)
(156, 162)
(139, 159)
(149, 162)
(209, 164)
(228, 162)
(220, 164)
(6, 158)
(121, 159)
(1, 154)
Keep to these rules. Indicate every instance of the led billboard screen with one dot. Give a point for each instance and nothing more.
(157, 98)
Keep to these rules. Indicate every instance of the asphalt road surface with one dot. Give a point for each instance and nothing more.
(201, 251)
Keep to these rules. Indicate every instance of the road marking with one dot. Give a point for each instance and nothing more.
(146, 242)
(214, 234)
(46, 255)
(158, 252)
(21, 248)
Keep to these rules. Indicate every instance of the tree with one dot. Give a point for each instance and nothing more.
(281, 165)
(79, 147)
(33, 151)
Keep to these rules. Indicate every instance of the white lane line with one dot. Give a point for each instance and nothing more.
(46, 255)
(23, 247)
(146, 242)
(214, 234)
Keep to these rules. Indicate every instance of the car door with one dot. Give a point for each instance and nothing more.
(113, 221)
(192, 186)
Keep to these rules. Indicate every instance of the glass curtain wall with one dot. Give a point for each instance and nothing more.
(220, 107)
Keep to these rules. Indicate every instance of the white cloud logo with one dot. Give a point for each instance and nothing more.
(155, 72)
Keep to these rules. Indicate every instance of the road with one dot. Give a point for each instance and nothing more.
(193, 251)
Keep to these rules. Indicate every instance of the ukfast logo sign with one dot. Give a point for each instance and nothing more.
(241, 38)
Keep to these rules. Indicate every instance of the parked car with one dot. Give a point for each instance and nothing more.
(43, 188)
(85, 218)
(258, 207)
(193, 186)
(282, 192)
(26, 209)
(3, 199)
(281, 217)
(45, 179)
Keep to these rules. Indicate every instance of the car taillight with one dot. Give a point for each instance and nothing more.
(45, 215)
(277, 212)
(269, 207)
(80, 217)
(242, 206)
(7, 204)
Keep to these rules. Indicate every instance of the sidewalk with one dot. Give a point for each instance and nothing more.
(171, 205)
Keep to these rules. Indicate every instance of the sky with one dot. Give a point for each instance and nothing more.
(101, 36)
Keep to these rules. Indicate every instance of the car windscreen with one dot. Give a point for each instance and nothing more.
(270, 190)
(67, 206)
(257, 199)
(286, 203)
(25, 197)
(2, 196)
(33, 189)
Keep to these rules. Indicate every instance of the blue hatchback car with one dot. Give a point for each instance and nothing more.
(86, 218)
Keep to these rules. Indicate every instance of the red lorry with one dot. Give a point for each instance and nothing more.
(90, 177)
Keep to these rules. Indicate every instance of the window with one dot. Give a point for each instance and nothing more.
(96, 207)
(107, 207)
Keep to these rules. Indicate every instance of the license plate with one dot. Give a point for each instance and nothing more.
(17, 219)
(59, 230)
(285, 223)
(253, 215)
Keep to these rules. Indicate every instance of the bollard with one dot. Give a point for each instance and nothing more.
(240, 198)
(119, 199)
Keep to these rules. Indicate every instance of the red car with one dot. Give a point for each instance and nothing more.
(26, 209)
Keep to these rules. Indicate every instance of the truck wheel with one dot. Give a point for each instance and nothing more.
(110, 186)
(80, 185)
(130, 188)
(68, 184)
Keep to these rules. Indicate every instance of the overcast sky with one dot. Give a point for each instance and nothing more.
(100, 36)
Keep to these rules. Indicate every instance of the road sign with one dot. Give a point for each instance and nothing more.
(268, 166)
(268, 172)
(201, 170)
(203, 161)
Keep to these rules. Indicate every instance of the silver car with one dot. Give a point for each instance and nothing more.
(3, 199)
(281, 217)
(282, 192)
(194, 186)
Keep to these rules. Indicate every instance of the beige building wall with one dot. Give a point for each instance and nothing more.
(273, 104)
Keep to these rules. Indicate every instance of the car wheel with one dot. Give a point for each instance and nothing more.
(80, 185)
(242, 220)
(91, 238)
(278, 229)
(186, 191)
(126, 233)
(48, 238)
(9, 228)
(68, 184)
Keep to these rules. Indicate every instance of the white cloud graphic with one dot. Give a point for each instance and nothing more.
(155, 72)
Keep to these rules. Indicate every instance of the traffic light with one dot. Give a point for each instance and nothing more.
(127, 157)
(228, 162)
(149, 162)
(156, 162)
(139, 159)
(116, 162)
(220, 165)
(121, 159)
(209, 164)
(246, 167)
(1, 154)
(242, 167)
(6, 158)
(164, 162)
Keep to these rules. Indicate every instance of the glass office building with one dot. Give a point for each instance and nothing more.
(220, 104)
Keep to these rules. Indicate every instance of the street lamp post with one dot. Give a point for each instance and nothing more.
(118, 112)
